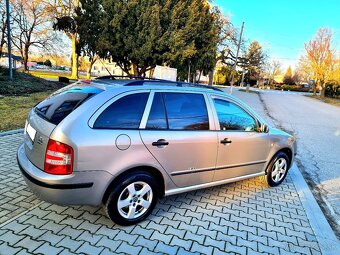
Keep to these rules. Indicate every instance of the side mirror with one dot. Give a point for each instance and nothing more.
(264, 128)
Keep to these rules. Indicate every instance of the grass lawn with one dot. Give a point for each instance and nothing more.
(14, 109)
(17, 97)
(328, 100)
(24, 84)
(53, 75)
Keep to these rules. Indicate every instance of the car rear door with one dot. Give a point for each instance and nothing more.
(178, 132)
(242, 150)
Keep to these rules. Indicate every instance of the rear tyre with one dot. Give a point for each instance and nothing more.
(132, 199)
(277, 169)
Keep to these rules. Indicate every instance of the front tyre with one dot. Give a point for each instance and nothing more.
(132, 199)
(277, 169)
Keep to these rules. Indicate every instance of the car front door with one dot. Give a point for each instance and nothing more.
(242, 150)
(179, 133)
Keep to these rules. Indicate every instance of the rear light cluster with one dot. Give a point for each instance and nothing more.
(58, 158)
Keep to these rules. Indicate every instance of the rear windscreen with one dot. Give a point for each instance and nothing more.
(61, 103)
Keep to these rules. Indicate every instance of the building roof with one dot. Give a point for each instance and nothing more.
(17, 58)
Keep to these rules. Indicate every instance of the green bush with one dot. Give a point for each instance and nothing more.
(332, 91)
(292, 88)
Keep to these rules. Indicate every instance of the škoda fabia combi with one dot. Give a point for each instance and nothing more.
(124, 144)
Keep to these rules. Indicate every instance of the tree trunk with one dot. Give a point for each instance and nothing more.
(142, 72)
(211, 77)
(135, 70)
(25, 58)
(314, 85)
(74, 74)
(199, 77)
(151, 73)
(323, 90)
(2, 39)
(88, 73)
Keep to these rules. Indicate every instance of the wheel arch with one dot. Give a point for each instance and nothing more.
(285, 150)
(151, 170)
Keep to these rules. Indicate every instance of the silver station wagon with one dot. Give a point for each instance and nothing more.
(124, 144)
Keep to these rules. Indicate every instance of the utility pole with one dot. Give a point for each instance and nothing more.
(9, 42)
(235, 64)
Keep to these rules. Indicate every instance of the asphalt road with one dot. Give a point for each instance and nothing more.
(317, 128)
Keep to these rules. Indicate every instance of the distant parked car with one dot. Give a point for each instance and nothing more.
(126, 143)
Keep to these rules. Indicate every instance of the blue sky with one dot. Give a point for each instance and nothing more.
(283, 26)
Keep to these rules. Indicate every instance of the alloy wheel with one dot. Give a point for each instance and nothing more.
(135, 200)
(279, 169)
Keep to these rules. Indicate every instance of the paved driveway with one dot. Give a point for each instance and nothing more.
(245, 217)
(317, 127)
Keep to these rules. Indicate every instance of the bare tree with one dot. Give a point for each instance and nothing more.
(3, 25)
(31, 26)
(65, 13)
(273, 69)
(227, 40)
(321, 58)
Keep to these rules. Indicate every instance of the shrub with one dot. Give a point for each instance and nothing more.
(332, 90)
(293, 88)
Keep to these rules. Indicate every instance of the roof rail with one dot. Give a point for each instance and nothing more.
(139, 81)
(128, 77)
(174, 83)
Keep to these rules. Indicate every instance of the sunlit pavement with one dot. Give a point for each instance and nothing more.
(317, 128)
(245, 217)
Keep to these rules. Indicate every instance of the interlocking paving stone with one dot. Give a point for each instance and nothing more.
(246, 217)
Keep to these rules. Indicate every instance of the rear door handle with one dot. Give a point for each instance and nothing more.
(225, 141)
(160, 142)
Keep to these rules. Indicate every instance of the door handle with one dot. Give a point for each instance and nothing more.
(225, 141)
(160, 142)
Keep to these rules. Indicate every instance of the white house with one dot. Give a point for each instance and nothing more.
(16, 60)
(102, 67)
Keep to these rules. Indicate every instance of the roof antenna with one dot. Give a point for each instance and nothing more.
(106, 68)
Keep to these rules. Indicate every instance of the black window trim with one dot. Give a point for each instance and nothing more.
(166, 114)
(218, 127)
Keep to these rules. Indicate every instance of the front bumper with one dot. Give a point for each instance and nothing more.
(78, 188)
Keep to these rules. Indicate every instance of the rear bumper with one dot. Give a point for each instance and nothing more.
(78, 188)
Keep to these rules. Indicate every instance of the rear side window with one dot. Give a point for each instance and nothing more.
(57, 106)
(125, 113)
(178, 111)
(157, 118)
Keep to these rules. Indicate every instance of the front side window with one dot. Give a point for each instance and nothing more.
(233, 117)
(125, 113)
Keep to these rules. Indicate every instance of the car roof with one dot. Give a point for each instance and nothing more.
(154, 83)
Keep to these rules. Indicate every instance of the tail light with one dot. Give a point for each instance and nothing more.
(58, 158)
